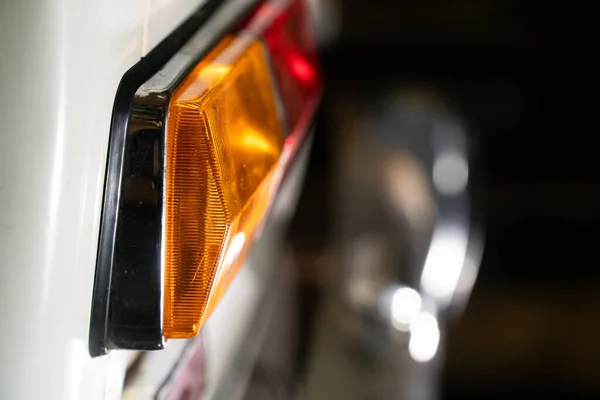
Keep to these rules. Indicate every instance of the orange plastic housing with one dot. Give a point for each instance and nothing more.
(224, 141)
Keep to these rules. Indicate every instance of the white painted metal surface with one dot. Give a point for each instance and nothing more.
(162, 17)
(61, 62)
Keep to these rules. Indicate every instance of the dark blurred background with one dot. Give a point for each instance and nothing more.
(520, 73)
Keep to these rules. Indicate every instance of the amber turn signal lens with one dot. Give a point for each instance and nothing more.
(224, 140)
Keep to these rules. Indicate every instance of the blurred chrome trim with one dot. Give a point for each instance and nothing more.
(421, 156)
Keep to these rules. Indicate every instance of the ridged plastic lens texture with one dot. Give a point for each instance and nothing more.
(224, 141)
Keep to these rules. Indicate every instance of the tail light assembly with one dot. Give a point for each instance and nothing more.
(196, 156)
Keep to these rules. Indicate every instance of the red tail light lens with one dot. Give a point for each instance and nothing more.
(285, 26)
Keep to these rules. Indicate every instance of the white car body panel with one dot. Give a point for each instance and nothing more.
(61, 64)
(162, 17)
